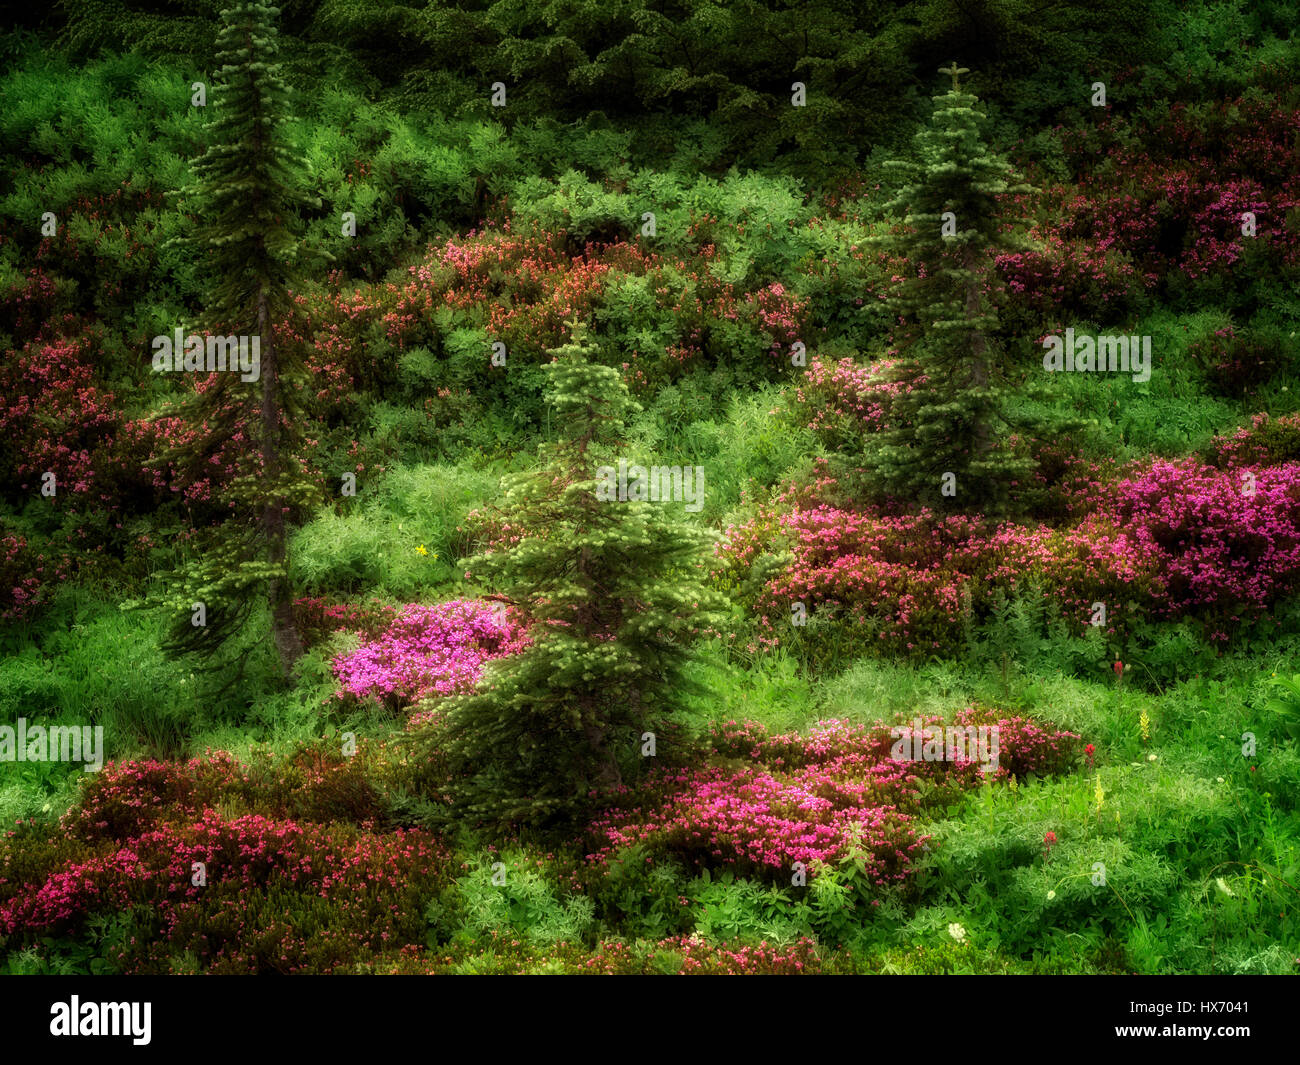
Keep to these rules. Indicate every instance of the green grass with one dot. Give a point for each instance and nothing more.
(372, 547)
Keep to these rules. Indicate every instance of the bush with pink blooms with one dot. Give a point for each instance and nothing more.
(1164, 208)
(21, 579)
(764, 802)
(1266, 441)
(301, 870)
(843, 401)
(429, 650)
(1226, 543)
(702, 773)
(684, 955)
(1181, 539)
(274, 896)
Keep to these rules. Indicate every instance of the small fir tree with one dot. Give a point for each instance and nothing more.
(948, 413)
(614, 595)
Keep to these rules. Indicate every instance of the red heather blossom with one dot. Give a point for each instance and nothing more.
(364, 892)
(1184, 538)
(843, 401)
(701, 958)
(808, 798)
(1255, 444)
(429, 650)
(521, 289)
(1168, 202)
(1221, 537)
(58, 414)
(21, 579)
(317, 618)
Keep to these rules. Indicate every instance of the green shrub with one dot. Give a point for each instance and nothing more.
(510, 897)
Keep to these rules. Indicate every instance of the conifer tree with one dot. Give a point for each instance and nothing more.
(245, 192)
(947, 414)
(614, 594)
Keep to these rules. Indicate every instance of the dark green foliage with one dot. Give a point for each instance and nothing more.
(244, 197)
(947, 416)
(730, 66)
(615, 600)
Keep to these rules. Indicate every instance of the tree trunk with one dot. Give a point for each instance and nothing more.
(274, 526)
(979, 353)
(608, 775)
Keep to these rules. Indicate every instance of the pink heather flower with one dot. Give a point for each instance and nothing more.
(429, 650)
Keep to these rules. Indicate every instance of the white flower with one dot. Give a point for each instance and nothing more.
(1051, 895)
(1151, 757)
(1219, 779)
(957, 932)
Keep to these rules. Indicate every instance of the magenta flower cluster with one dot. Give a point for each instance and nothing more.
(808, 798)
(1227, 542)
(429, 650)
(845, 400)
(354, 894)
(1169, 200)
(1180, 538)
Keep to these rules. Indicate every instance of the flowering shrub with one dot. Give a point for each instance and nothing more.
(1025, 746)
(56, 417)
(298, 877)
(843, 401)
(1266, 441)
(1227, 542)
(311, 783)
(1069, 276)
(1181, 538)
(127, 798)
(278, 896)
(660, 316)
(810, 798)
(693, 956)
(21, 579)
(1166, 203)
(685, 955)
(759, 821)
(429, 650)
(909, 581)
(97, 265)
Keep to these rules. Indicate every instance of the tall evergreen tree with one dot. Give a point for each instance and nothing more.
(948, 413)
(614, 593)
(244, 196)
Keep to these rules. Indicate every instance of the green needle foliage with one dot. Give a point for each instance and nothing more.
(244, 197)
(615, 595)
(948, 415)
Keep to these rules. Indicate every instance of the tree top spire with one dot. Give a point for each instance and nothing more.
(953, 69)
